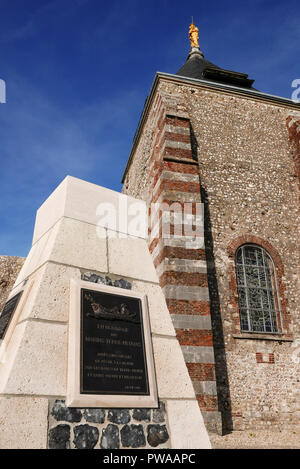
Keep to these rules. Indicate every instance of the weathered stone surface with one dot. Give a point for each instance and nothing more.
(110, 437)
(133, 436)
(9, 270)
(142, 414)
(119, 415)
(122, 283)
(130, 257)
(95, 278)
(23, 422)
(187, 430)
(61, 412)
(108, 281)
(59, 437)
(40, 362)
(68, 242)
(157, 434)
(90, 277)
(94, 415)
(52, 286)
(85, 436)
(158, 415)
(176, 382)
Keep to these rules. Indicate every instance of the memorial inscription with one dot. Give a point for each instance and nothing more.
(113, 357)
(110, 356)
(7, 313)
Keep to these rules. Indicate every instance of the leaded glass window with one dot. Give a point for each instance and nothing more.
(257, 290)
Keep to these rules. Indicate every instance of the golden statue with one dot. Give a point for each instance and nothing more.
(194, 35)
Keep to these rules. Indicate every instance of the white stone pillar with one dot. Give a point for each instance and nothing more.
(69, 240)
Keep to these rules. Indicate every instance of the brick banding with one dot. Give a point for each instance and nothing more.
(173, 252)
(207, 402)
(194, 337)
(293, 126)
(178, 152)
(246, 151)
(202, 371)
(188, 307)
(183, 278)
(179, 137)
(178, 167)
(173, 183)
(177, 121)
(180, 186)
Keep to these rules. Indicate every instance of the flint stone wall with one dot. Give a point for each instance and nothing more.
(249, 184)
(71, 428)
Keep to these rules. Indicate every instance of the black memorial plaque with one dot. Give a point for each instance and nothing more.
(7, 313)
(113, 359)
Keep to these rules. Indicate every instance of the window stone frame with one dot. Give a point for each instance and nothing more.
(233, 300)
(264, 263)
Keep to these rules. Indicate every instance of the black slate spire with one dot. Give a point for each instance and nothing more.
(196, 66)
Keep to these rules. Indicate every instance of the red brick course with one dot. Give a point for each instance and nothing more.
(171, 252)
(180, 167)
(185, 138)
(294, 136)
(180, 186)
(183, 278)
(261, 358)
(194, 337)
(164, 165)
(201, 308)
(178, 121)
(202, 371)
(207, 402)
(178, 152)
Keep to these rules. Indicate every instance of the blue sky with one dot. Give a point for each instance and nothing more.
(77, 74)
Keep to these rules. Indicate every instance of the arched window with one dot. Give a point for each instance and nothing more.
(257, 290)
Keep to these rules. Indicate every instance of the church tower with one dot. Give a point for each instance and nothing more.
(113, 337)
(218, 164)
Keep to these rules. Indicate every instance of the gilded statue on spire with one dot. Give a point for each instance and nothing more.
(194, 35)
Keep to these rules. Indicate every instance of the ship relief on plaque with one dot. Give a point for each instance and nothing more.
(112, 354)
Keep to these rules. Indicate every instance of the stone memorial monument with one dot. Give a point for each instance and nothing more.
(89, 356)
